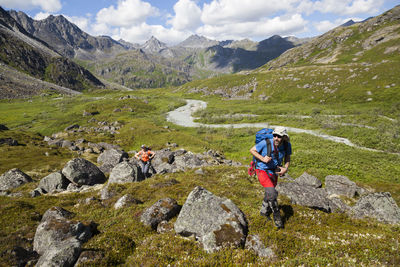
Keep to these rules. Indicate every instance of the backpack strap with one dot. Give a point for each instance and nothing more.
(269, 149)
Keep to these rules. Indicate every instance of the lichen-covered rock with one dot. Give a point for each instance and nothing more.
(163, 210)
(340, 185)
(55, 181)
(13, 179)
(58, 239)
(125, 172)
(216, 222)
(254, 244)
(82, 172)
(380, 206)
(308, 179)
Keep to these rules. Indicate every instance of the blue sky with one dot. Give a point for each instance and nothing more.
(172, 21)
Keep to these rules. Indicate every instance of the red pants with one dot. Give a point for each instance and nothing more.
(267, 179)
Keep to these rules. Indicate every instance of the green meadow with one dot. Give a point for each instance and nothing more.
(310, 237)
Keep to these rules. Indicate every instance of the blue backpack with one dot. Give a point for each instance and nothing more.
(263, 134)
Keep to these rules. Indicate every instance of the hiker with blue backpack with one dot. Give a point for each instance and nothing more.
(271, 150)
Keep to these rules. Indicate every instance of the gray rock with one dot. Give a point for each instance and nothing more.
(67, 144)
(340, 185)
(125, 201)
(83, 172)
(56, 232)
(112, 157)
(63, 253)
(37, 192)
(254, 243)
(189, 160)
(380, 206)
(13, 179)
(305, 195)
(163, 210)
(125, 172)
(55, 142)
(308, 179)
(55, 181)
(216, 222)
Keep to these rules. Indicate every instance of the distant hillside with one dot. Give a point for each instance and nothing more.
(24, 52)
(357, 63)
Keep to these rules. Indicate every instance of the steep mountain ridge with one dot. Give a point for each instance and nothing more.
(22, 51)
(67, 38)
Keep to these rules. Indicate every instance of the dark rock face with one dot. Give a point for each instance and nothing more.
(163, 210)
(380, 206)
(58, 239)
(214, 221)
(340, 185)
(83, 172)
(54, 182)
(13, 179)
(125, 172)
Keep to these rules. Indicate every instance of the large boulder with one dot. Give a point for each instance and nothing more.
(13, 179)
(82, 172)
(189, 160)
(305, 195)
(54, 182)
(58, 239)
(110, 158)
(340, 185)
(163, 210)
(216, 222)
(380, 206)
(125, 172)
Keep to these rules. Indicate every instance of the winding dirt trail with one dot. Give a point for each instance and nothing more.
(183, 116)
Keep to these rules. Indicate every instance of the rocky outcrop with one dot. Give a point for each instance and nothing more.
(163, 210)
(214, 221)
(308, 179)
(380, 206)
(58, 239)
(254, 243)
(13, 179)
(82, 172)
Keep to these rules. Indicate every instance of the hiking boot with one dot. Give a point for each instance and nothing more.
(278, 220)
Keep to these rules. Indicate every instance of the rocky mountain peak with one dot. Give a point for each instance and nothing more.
(153, 45)
(196, 41)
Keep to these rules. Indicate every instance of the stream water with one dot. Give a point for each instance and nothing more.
(183, 116)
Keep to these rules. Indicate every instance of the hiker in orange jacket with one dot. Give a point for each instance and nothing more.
(145, 155)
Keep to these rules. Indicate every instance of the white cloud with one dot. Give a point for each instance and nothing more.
(348, 7)
(41, 15)
(220, 12)
(46, 5)
(126, 13)
(326, 25)
(187, 15)
(285, 25)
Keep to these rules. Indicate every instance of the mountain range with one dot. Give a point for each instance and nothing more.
(57, 51)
